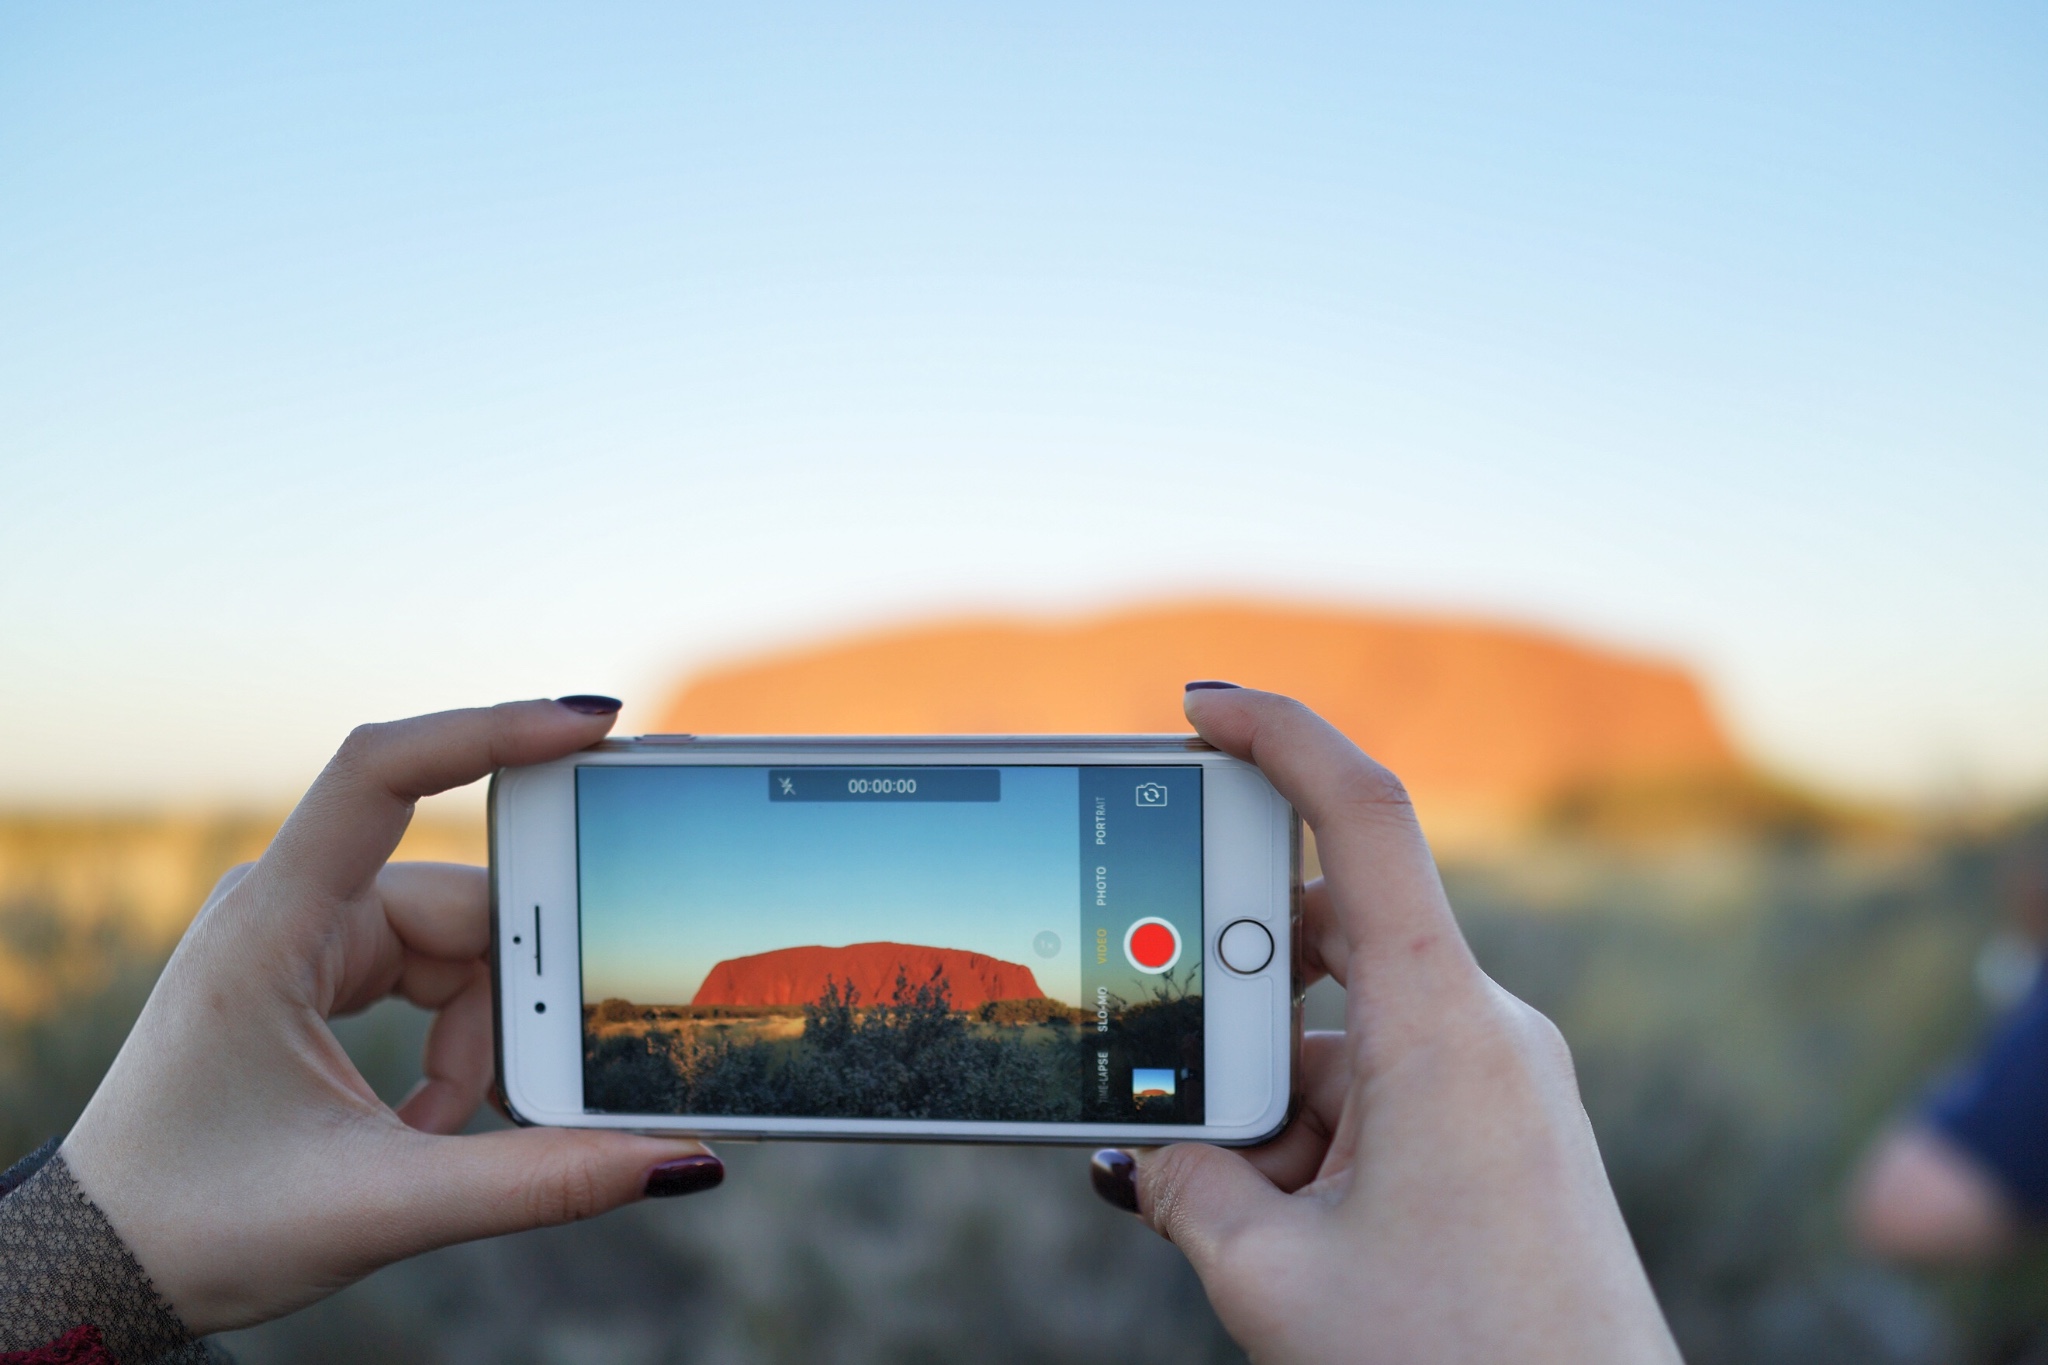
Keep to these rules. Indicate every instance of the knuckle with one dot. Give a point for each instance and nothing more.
(359, 747)
(1518, 1045)
(506, 722)
(1544, 1040)
(229, 880)
(223, 887)
(1188, 1200)
(1370, 785)
(569, 1192)
(1169, 1180)
(1281, 709)
(364, 736)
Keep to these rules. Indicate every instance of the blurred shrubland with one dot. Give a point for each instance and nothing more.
(1745, 1007)
(1744, 1015)
(90, 906)
(1752, 977)
(910, 1056)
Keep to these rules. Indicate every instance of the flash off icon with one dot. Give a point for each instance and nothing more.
(1151, 793)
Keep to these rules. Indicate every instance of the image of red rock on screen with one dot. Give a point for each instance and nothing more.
(716, 904)
(870, 1030)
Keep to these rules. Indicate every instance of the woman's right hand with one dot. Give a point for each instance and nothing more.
(1440, 1196)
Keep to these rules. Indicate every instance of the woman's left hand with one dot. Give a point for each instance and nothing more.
(233, 1145)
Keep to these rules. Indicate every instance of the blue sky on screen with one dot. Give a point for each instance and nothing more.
(362, 360)
(1145, 1080)
(685, 867)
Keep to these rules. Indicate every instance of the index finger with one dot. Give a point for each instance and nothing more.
(1384, 893)
(351, 819)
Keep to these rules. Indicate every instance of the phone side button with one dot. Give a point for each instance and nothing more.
(1240, 1051)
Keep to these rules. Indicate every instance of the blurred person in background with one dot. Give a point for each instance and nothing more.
(1965, 1179)
(1439, 1196)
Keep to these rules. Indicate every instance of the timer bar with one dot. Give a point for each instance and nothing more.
(885, 784)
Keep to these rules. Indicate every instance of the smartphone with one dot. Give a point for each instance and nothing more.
(1021, 940)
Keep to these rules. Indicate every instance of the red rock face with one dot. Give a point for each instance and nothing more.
(1484, 722)
(797, 976)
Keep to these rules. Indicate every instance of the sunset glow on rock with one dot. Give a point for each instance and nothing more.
(1484, 722)
(797, 976)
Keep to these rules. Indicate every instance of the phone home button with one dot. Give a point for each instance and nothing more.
(1246, 946)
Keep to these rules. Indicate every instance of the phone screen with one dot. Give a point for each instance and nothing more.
(1018, 944)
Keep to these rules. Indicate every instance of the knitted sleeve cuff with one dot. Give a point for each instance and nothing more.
(62, 1266)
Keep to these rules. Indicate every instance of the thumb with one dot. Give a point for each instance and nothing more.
(1201, 1198)
(457, 1189)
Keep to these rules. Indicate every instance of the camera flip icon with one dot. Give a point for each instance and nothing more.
(1151, 793)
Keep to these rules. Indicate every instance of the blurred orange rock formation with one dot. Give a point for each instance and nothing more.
(1484, 722)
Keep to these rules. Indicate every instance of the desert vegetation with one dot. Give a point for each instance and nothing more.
(912, 1056)
(1743, 1013)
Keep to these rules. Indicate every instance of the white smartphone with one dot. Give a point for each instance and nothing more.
(1047, 940)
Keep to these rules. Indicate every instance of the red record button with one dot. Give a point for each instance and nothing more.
(1152, 945)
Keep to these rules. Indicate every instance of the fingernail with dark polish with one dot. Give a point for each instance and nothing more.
(688, 1175)
(1209, 685)
(590, 704)
(1116, 1178)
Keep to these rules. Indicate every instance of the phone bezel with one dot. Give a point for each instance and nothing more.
(1251, 868)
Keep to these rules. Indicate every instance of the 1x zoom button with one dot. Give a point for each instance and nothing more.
(1246, 946)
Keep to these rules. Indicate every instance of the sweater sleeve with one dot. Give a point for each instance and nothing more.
(62, 1265)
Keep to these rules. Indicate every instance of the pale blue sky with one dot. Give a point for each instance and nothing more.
(358, 360)
(682, 868)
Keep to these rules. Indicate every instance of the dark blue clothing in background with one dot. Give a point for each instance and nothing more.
(1996, 1108)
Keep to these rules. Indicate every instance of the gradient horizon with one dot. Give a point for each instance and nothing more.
(363, 361)
(683, 867)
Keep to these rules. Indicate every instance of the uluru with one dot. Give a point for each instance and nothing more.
(1484, 721)
(798, 976)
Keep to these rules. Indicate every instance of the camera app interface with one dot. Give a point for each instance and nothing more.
(1017, 944)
